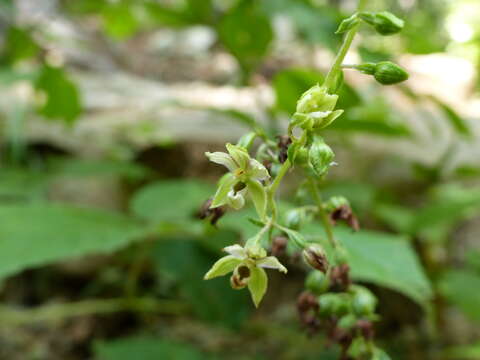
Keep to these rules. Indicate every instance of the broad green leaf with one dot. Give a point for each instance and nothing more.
(290, 84)
(465, 352)
(450, 205)
(170, 200)
(383, 259)
(35, 235)
(145, 348)
(20, 185)
(119, 19)
(398, 217)
(374, 117)
(83, 167)
(62, 98)
(461, 288)
(247, 33)
(19, 45)
(257, 285)
(185, 261)
(459, 124)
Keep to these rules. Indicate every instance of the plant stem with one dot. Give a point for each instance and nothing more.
(323, 214)
(281, 173)
(54, 312)
(347, 43)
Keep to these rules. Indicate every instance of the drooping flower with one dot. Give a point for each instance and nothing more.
(245, 175)
(247, 264)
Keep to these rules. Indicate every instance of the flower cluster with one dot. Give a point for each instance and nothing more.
(344, 310)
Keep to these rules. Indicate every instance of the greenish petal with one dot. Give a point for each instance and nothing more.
(225, 185)
(222, 158)
(259, 197)
(239, 155)
(222, 267)
(271, 262)
(257, 285)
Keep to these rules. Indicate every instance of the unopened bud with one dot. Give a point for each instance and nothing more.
(385, 72)
(316, 99)
(388, 73)
(317, 282)
(363, 302)
(331, 304)
(294, 218)
(320, 156)
(279, 245)
(385, 23)
(314, 255)
(347, 24)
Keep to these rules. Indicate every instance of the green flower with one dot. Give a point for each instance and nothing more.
(315, 109)
(247, 264)
(245, 175)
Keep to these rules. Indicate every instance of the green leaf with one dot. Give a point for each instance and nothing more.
(145, 348)
(375, 117)
(460, 125)
(465, 352)
(383, 259)
(247, 33)
(460, 287)
(257, 285)
(451, 205)
(291, 83)
(40, 234)
(62, 98)
(186, 261)
(170, 200)
(398, 217)
(19, 45)
(119, 19)
(259, 197)
(82, 167)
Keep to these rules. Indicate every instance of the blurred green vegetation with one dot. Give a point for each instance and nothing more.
(132, 242)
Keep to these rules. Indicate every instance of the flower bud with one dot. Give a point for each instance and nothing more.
(363, 302)
(385, 23)
(332, 304)
(317, 282)
(320, 156)
(315, 256)
(316, 99)
(347, 322)
(347, 24)
(388, 73)
(385, 72)
(294, 218)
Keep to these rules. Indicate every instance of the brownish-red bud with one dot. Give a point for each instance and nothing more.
(279, 245)
(345, 213)
(283, 143)
(340, 278)
(315, 256)
(213, 215)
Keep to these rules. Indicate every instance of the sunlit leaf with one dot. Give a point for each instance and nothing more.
(61, 96)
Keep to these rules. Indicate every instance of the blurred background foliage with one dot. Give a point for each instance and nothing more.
(106, 110)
